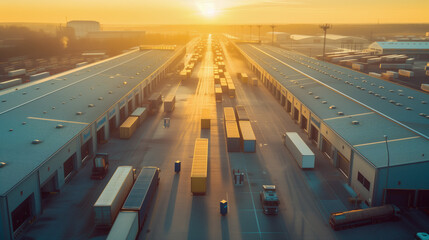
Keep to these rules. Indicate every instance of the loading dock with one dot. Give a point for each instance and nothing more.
(401, 197)
(343, 164)
(69, 166)
(22, 213)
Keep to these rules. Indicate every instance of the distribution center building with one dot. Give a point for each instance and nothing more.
(374, 131)
(49, 128)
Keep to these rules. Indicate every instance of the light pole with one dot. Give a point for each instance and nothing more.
(272, 36)
(325, 28)
(387, 170)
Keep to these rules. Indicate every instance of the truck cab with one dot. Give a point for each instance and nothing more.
(269, 200)
(100, 166)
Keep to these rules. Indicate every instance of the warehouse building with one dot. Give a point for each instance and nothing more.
(52, 127)
(418, 50)
(374, 131)
(82, 28)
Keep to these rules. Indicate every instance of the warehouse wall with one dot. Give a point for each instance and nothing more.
(4, 220)
(368, 171)
(407, 177)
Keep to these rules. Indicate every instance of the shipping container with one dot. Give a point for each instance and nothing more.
(109, 203)
(425, 87)
(199, 166)
(224, 85)
(233, 141)
(38, 76)
(218, 94)
(205, 118)
(244, 78)
(16, 72)
(169, 103)
(231, 90)
(155, 101)
(395, 66)
(228, 114)
(392, 74)
(142, 193)
(10, 83)
(254, 81)
(217, 79)
(373, 74)
(126, 227)
(241, 113)
(405, 73)
(299, 150)
(358, 66)
(247, 136)
(140, 113)
(127, 129)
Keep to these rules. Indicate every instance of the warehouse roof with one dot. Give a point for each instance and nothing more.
(327, 89)
(34, 110)
(400, 45)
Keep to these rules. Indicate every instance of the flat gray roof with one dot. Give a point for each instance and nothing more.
(354, 99)
(55, 100)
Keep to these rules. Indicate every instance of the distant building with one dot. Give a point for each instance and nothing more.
(116, 34)
(82, 28)
(330, 39)
(279, 36)
(418, 50)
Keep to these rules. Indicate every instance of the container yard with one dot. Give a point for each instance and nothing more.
(217, 180)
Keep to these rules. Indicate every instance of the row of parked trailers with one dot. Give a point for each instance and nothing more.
(124, 206)
(196, 57)
(239, 132)
(127, 129)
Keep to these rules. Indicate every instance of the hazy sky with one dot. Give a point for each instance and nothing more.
(216, 11)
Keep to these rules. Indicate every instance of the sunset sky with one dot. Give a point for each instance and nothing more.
(216, 11)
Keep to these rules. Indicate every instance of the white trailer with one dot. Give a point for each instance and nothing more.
(126, 226)
(299, 150)
(17, 72)
(113, 196)
(10, 83)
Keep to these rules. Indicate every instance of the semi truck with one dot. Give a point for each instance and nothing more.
(355, 218)
(138, 203)
(269, 200)
(100, 166)
(110, 201)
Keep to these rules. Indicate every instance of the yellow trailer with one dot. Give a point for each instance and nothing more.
(127, 128)
(205, 119)
(199, 166)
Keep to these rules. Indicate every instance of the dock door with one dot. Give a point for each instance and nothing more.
(21, 214)
(343, 164)
(401, 197)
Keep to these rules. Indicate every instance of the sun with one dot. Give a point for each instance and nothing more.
(207, 9)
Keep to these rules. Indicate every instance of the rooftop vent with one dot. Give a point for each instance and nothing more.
(332, 107)
(408, 108)
(24, 93)
(424, 102)
(63, 102)
(10, 130)
(392, 101)
(23, 123)
(36, 141)
(59, 126)
(44, 112)
(79, 113)
(355, 122)
(324, 102)
(316, 97)
(100, 98)
(2, 164)
(310, 93)
(391, 90)
(110, 92)
(422, 114)
(380, 87)
(383, 97)
(91, 105)
(398, 104)
(370, 92)
(377, 95)
(4, 100)
(340, 113)
(410, 97)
